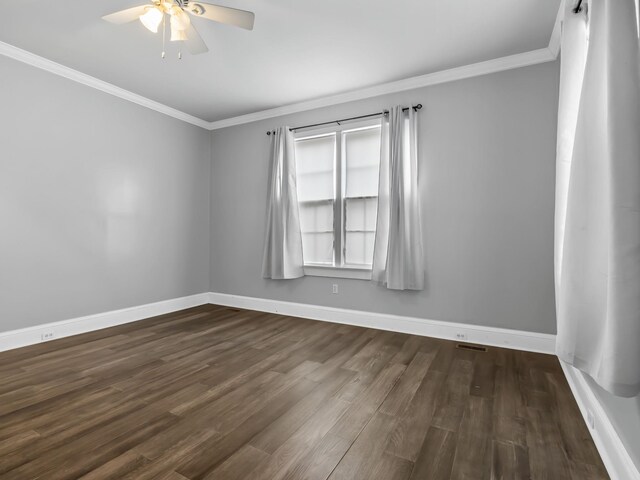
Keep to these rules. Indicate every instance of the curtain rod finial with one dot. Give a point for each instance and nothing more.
(578, 7)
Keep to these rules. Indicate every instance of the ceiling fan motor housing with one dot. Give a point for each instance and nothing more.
(194, 8)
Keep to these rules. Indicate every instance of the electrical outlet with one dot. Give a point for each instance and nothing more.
(46, 336)
(461, 336)
(335, 288)
(591, 420)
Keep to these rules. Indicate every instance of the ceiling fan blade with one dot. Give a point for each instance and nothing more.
(194, 42)
(217, 13)
(126, 16)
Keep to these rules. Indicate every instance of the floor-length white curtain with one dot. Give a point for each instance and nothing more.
(282, 256)
(598, 195)
(398, 259)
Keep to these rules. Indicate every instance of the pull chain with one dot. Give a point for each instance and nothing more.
(164, 34)
(164, 39)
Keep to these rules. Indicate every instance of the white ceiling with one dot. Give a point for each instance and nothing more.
(299, 49)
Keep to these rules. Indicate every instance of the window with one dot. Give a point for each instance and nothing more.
(337, 178)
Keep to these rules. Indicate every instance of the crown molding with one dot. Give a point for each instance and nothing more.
(496, 65)
(459, 73)
(533, 57)
(556, 34)
(57, 69)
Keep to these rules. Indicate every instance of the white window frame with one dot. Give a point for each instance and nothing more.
(339, 269)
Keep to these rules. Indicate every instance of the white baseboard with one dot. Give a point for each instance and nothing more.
(65, 328)
(613, 452)
(498, 337)
(530, 341)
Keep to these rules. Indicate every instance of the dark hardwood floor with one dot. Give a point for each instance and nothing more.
(216, 393)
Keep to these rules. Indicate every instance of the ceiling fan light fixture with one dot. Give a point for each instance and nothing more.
(179, 19)
(178, 35)
(152, 19)
(180, 22)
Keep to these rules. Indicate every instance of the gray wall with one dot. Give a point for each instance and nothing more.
(103, 204)
(487, 169)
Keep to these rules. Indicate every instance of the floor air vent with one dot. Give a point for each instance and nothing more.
(475, 348)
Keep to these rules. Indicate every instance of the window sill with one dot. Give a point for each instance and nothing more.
(337, 272)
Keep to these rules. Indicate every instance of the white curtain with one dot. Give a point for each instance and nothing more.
(282, 256)
(598, 195)
(398, 259)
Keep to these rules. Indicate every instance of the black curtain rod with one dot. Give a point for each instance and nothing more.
(384, 112)
(578, 8)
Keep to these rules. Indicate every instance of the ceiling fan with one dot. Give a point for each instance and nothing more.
(182, 30)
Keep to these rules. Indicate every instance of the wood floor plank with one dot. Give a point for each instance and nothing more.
(409, 348)
(240, 465)
(164, 441)
(118, 468)
(547, 458)
(453, 398)
(18, 441)
(276, 434)
(390, 467)
(301, 442)
(473, 448)
(367, 403)
(226, 420)
(509, 461)
(172, 455)
(369, 372)
(213, 392)
(361, 458)
(435, 460)
(400, 397)
(217, 450)
(407, 439)
(321, 460)
(78, 458)
(359, 341)
(484, 375)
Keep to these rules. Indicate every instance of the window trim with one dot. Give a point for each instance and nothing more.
(338, 272)
(339, 205)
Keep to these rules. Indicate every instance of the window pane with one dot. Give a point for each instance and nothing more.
(317, 248)
(314, 166)
(361, 213)
(362, 149)
(317, 186)
(316, 217)
(359, 248)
